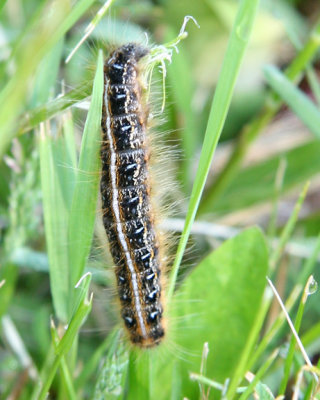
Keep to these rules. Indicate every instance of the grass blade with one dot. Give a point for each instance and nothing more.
(238, 42)
(55, 217)
(84, 200)
(299, 103)
(286, 233)
(51, 28)
(262, 370)
(32, 118)
(64, 346)
(252, 131)
(291, 351)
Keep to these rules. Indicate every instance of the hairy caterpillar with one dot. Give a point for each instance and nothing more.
(125, 191)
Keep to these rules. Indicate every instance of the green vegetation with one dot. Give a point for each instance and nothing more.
(242, 107)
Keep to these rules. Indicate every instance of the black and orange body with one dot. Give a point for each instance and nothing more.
(126, 189)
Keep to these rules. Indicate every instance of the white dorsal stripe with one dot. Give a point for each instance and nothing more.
(116, 211)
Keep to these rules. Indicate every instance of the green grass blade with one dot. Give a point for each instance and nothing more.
(310, 263)
(238, 42)
(50, 29)
(65, 345)
(311, 335)
(287, 231)
(65, 372)
(299, 103)
(275, 328)
(180, 79)
(47, 75)
(314, 83)
(55, 217)
(262, 370)
(85, 196)
(32, 118)
(252, 131)
(8, 278)
(291, 350)
(242, 365)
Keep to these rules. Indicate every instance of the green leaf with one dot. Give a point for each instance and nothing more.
(182, 88)
(32, 118)
(111, 381)
(51, 27)
(56, 214)
(300, 104)
(219, 302)
(62, 348)
(251, 131)
(239, 39)
(263, 392)
(85, 196)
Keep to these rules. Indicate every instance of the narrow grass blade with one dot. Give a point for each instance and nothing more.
(31, 118)
(314, 83)
(50, 29)
(278, 185)
(287, 231)
(311, 335)
(294, 332)
(297, 324)
(89, 29)
(306, 270)
(252, 131)
(238, 42)
(244, 360)
(65, 373)
(63, 348)
(309, 265)
(47, 75)
(180, 79)
(299, 103)
(262, 370)
(8, 278)
(84, 202)
(56, 220)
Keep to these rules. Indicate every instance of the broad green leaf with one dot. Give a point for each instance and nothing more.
(218, 303)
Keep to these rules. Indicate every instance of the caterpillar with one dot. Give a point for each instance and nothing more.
(128, 217)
